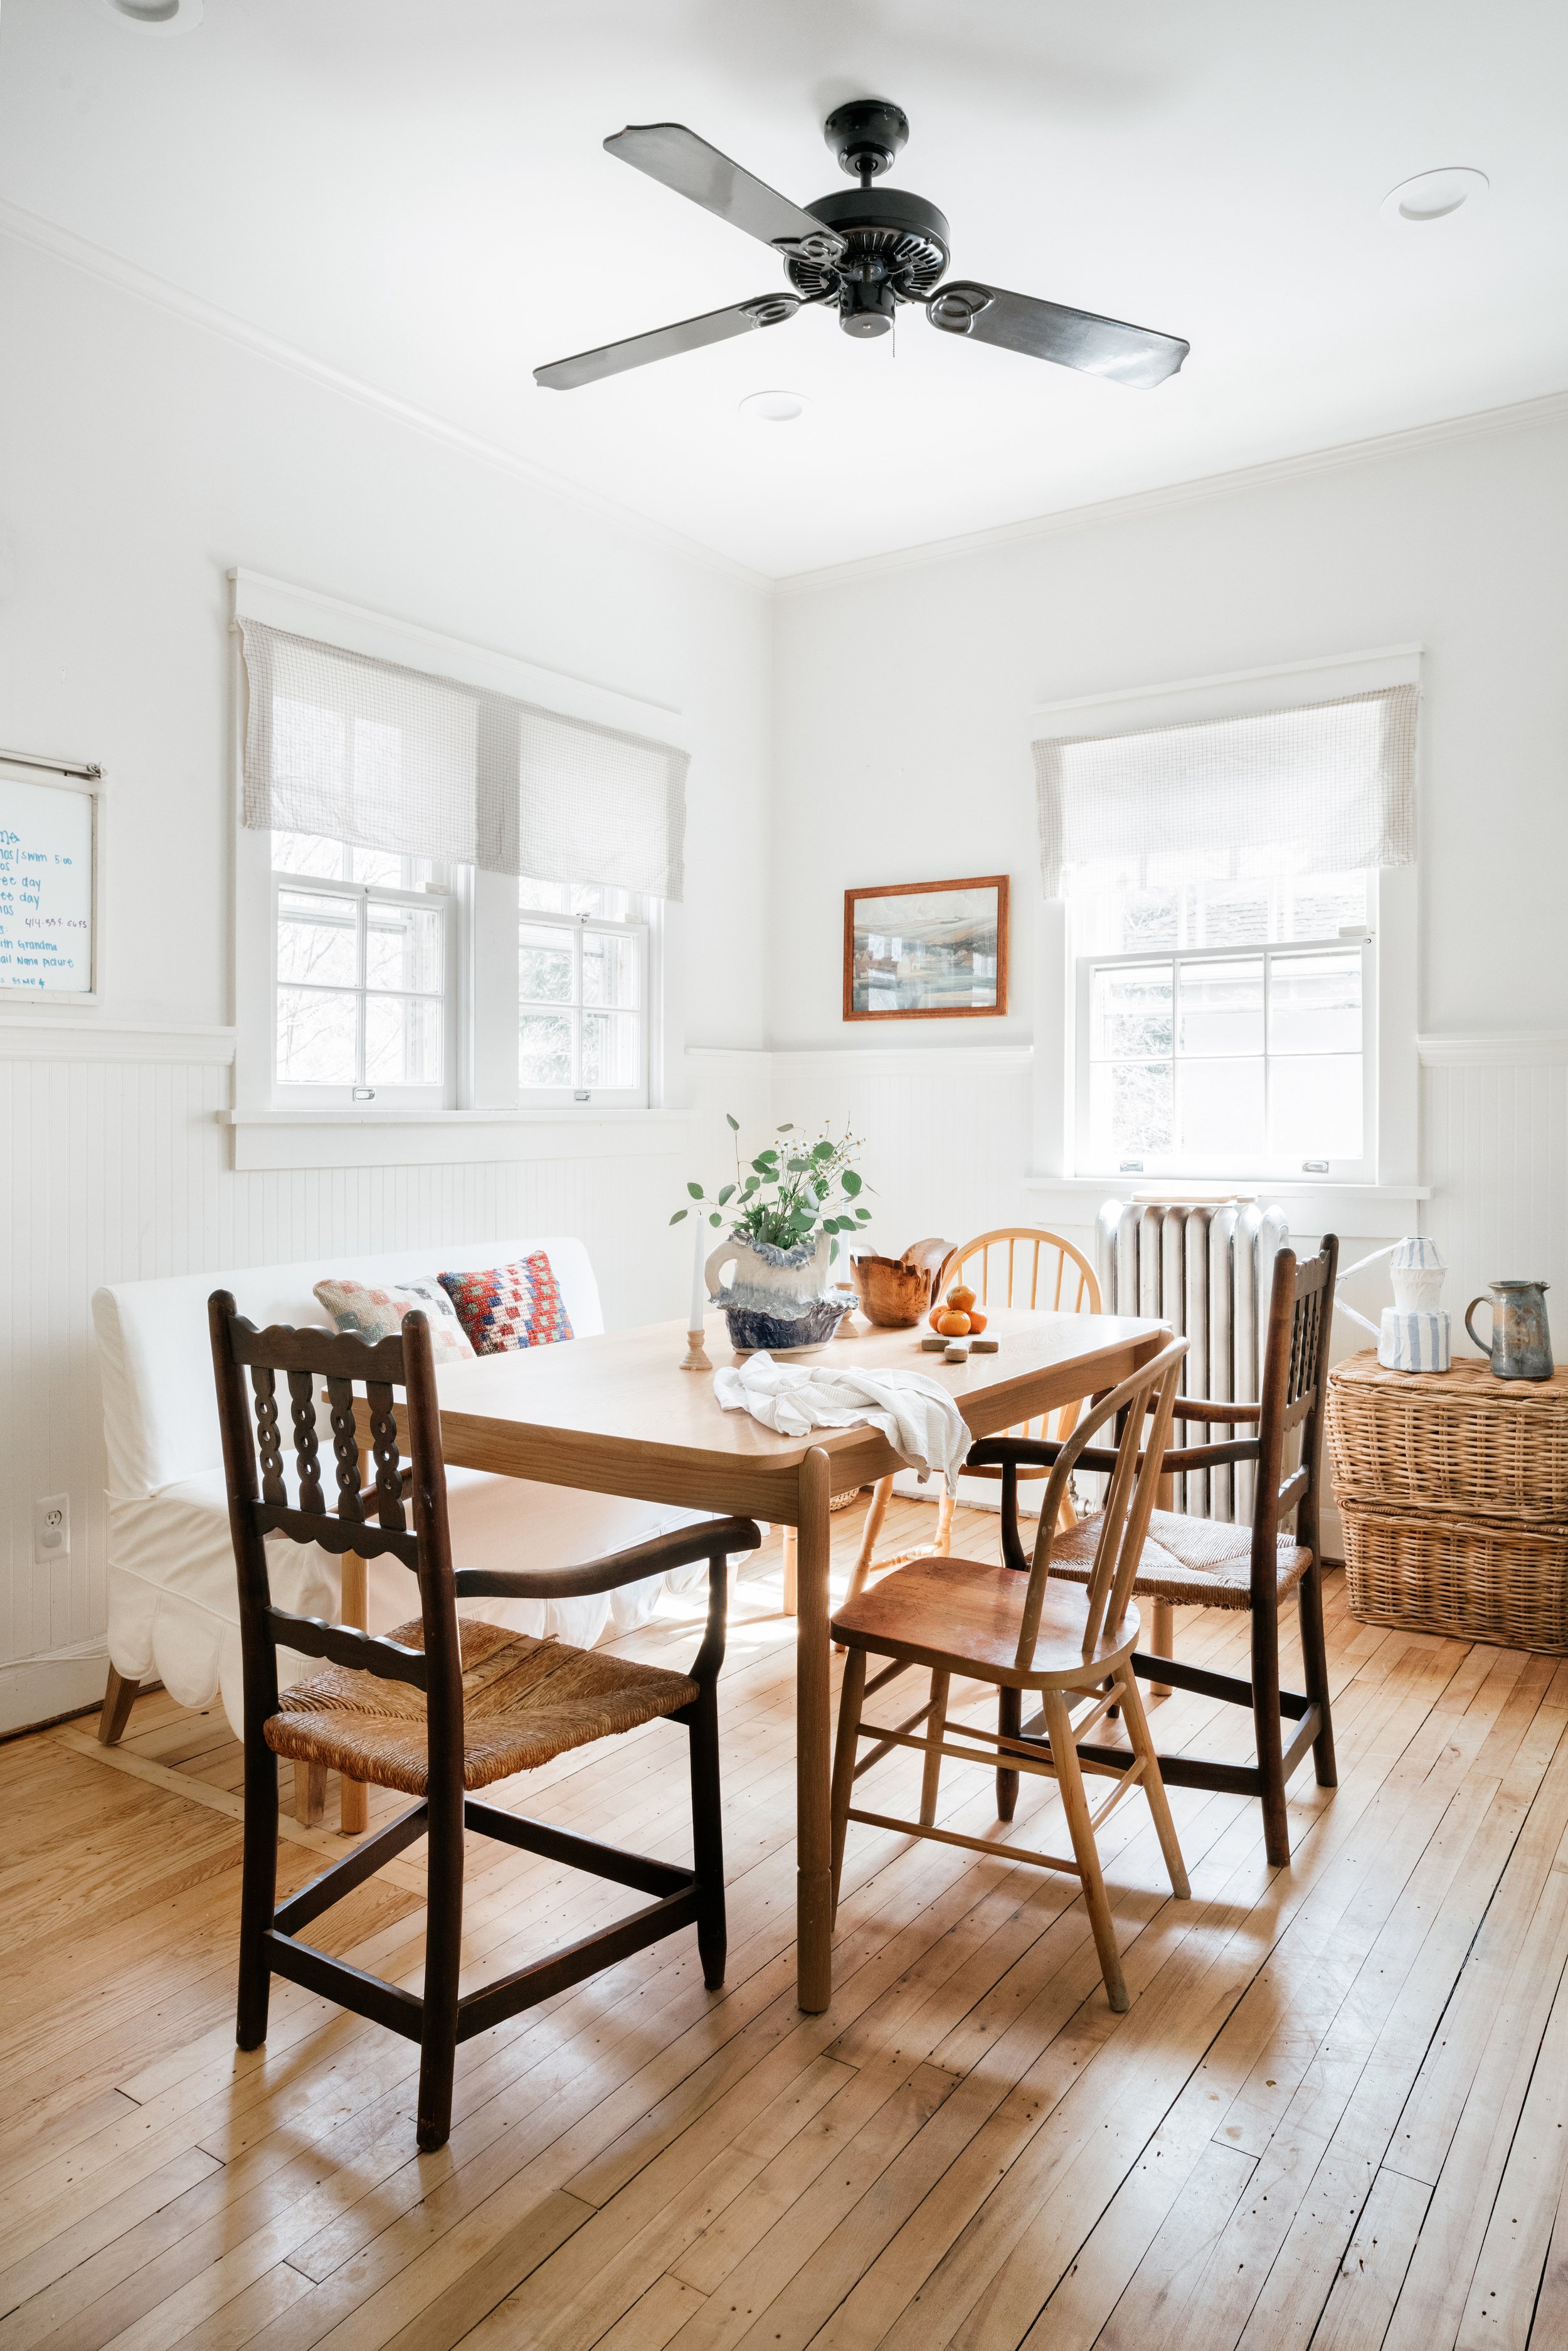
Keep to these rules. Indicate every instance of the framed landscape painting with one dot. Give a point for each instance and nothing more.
(927, 950)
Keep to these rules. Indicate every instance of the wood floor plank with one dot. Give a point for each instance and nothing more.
(1332, 2117)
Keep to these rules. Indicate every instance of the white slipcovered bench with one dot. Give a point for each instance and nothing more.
(174, 1610)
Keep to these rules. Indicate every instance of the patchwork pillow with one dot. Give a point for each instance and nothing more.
(375, 1311)
(511, 1306)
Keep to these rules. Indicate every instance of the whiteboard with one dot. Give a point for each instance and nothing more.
(46, 885)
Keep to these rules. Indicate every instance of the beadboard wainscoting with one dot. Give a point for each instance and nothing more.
(1494, 1148)
(117, 1166)
(120, 1168)
(946, 1130)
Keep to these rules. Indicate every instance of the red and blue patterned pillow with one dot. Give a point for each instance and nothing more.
(509, 1306)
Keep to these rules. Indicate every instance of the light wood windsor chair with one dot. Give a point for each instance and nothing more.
(1069, 1286)
(441, 1706)
(1072, 1645)
(1208, 1563)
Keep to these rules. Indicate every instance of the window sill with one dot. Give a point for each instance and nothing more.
(423, 1138)
(1365, 1210)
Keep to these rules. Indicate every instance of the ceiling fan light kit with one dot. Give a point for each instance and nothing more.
(863, 250)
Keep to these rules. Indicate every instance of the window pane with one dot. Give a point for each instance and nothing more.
(1314, 1106)
(1318, 905)
(402, 1041)
(307, 852)
(1149, 918)
(1315, 1004)
(1229, 914)
(317, 938)
(610, 1050)
(543, 898)
(1221, 1007)
(316, 1037)
(544, 965)
(1130, 1109)
(1130, 1012)
(385, 869)
(403, 947)
(1220, 1111)
(544, 1055)
(609, 962)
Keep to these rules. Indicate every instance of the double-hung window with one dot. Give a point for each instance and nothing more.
(426, 946)
(1224, 886)
(582, 993)
(1227, 1025)
(362, 995)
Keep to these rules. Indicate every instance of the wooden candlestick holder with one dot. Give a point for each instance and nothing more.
(695, 1358)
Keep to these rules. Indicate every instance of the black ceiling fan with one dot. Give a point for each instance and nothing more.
(867, 249)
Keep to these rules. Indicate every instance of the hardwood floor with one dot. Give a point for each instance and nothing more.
(1337, 2114)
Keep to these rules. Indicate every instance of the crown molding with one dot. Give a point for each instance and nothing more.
(1550, 408)
(127, 278)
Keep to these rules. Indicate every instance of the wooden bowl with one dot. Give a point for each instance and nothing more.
(894, 1296)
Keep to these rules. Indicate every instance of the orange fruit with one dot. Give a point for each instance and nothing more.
(961, 1297)
(952, 1324)
(977, 1321)
(937, 1312)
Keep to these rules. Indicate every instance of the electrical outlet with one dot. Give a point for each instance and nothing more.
(51, 1529)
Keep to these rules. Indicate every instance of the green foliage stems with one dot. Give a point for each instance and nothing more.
(787, 1193)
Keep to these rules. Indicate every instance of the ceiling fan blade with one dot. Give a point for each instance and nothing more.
(670, 152)
(1048, 331)
(666, 342)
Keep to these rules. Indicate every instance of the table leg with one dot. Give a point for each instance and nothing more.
(813, 1835)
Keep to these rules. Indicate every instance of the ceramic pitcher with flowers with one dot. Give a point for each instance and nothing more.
(775, 1297)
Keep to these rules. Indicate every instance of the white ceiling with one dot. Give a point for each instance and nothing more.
(414, 191)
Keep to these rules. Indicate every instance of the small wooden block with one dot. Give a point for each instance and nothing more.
(986, 1347)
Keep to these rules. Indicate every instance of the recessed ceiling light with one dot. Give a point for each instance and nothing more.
(1435, 195)
(773, 407)
(156, 15)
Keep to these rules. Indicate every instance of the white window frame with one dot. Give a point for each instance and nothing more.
(1263, 1163)
(1391, 1165)
(576, 926)
(480, 1068)
(451, 900)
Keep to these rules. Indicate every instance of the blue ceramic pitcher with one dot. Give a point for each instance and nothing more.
(1521, 1346)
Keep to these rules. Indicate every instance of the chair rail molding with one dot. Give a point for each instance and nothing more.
(84, 1037)
(1521, 1048)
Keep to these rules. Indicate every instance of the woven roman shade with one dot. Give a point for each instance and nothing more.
(395, 759)
(1328, 788)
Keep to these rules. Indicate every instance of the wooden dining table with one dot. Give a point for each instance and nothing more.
(618, 1415)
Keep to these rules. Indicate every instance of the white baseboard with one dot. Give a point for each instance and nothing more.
(40, 1689)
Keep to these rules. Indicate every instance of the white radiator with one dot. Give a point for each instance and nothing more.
(1207, 1271)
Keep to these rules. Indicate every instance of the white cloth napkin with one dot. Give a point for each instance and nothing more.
(915, 1413)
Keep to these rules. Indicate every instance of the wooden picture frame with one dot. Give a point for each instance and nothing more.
(938, 986)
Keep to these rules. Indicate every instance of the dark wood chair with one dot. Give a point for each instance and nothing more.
(961, 1617)
(440, 1707)
(1206, 1562)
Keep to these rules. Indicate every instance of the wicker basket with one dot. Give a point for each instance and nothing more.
(1453, 1487)
(1474, 1579)
(1461, 1441)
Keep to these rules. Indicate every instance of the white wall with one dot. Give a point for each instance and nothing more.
(143, 456)
(1453, 541)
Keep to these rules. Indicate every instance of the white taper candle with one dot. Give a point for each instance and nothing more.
(699, 1286)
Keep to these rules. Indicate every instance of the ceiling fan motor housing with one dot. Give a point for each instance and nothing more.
(895, 250)
(865, 135)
